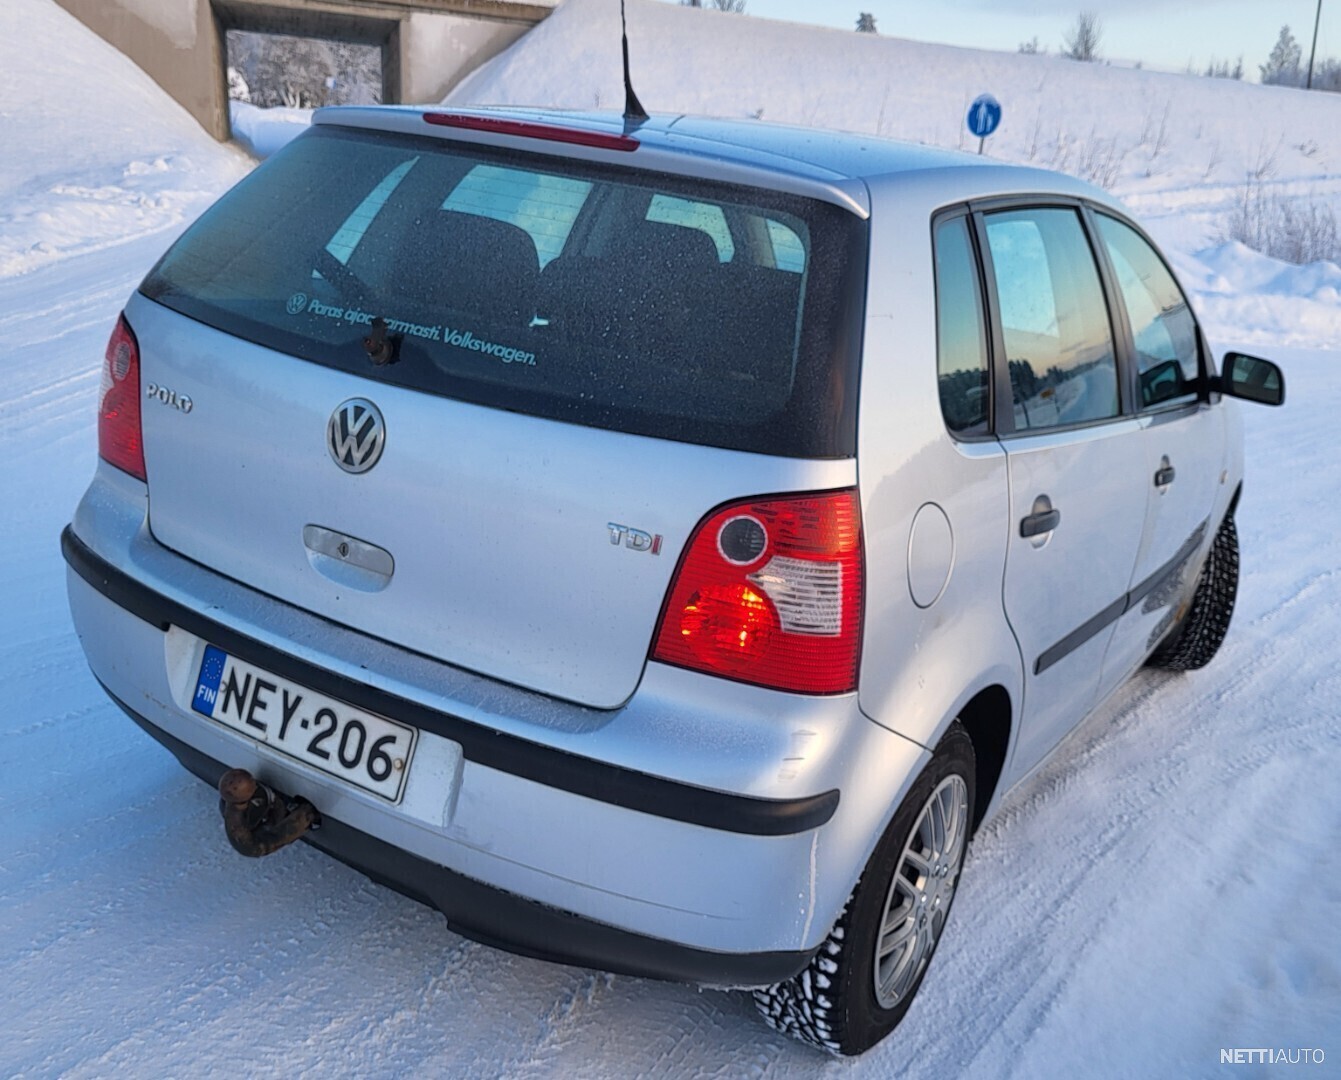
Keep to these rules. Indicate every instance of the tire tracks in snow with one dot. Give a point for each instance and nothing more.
(1024, 980)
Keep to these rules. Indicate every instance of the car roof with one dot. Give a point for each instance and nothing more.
(831, 164)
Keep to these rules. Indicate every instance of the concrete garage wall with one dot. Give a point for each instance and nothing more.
(428, 46)
(438, 51)
(175, 42)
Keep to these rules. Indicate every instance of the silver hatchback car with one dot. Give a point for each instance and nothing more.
(658, 550)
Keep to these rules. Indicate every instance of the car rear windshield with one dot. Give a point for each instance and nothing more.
(606, 296)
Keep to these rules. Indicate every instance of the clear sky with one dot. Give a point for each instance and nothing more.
(1160, 33)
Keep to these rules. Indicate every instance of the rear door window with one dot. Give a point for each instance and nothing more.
(1054, 322)
(961, 341)
(604, 296)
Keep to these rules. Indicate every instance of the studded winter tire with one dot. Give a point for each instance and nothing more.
(1196, 639)
(863, 979)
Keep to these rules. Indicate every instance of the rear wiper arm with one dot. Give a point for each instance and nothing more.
(382, 348)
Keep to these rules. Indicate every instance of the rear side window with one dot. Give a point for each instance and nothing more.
(1054, 324)
(603, 296)
(1163, 331)
(961, 342)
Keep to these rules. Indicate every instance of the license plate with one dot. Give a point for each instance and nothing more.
(370, 752)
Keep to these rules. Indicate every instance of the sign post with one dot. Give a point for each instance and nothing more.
(984, 117)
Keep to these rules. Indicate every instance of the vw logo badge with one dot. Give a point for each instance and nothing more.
(356, 435)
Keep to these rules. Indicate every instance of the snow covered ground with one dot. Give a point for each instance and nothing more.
(94, 152)
(1168, 886)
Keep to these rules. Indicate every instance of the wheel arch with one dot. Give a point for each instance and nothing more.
(988, 719)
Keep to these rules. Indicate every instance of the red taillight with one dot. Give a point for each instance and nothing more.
(120, 440)
(523, 129)
(769, 591)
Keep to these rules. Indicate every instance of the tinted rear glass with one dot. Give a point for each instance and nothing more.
(610, 297)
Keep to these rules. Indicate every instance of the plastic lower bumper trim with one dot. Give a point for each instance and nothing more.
(506, 921)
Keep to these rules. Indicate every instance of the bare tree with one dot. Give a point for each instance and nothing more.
(1082, 43)
(1031, 47)
(1221, 69)
(1284, 65)
(866, 23)
(1290, 228)
(738, 6)
(279, 69)
(1327, 75)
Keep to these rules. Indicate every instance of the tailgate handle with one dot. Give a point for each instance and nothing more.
(347, 560)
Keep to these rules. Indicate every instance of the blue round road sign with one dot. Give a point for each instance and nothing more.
(984, 115)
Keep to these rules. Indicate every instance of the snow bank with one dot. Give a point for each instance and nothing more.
(263, 131)
(1176, 148)
(1105, 123)
(116, 158)
(1263, 301)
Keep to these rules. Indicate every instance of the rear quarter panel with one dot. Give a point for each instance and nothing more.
(920, 664)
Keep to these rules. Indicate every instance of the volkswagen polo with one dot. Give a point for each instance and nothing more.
(658, 548)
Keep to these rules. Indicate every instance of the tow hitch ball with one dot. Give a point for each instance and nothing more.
(258, 820)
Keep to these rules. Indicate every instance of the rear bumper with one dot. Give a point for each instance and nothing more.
(607, 783)
(505, 921)
(696, 833)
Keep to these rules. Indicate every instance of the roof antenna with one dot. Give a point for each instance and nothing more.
(634, 113)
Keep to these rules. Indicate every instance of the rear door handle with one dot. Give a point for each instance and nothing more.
(1164, 474)
(1040, 522)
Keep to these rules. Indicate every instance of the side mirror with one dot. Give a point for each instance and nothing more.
(1252, 379)
(1163, 382)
